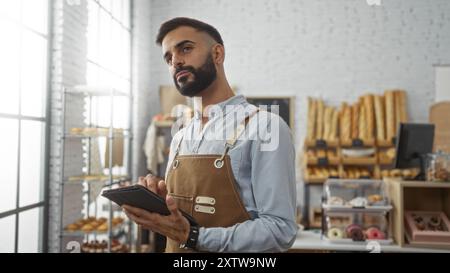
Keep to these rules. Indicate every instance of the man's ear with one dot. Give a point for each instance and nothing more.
(218, 52)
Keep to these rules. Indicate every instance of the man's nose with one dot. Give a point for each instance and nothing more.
(177, 61)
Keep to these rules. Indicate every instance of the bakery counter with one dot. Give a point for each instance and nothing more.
(310, 241)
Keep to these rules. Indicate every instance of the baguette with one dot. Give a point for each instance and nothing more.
(397, 110)
(312, 110)
(355, 120)
(362, 127)
(390, 115)
(401, 95)
(334, 125)
(370, 117)
(327, 123)
(379, 114)
(320, 112)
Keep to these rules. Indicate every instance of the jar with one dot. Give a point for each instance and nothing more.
(438, 167)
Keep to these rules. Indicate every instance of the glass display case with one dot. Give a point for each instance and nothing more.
(356, 211)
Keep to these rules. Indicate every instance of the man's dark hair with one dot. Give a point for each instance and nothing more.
(189, 22)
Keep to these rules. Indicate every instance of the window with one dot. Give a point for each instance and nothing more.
(109, 58)
(23, 96)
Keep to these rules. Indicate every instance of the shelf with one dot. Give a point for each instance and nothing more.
(385, 144)
(322, 162)
(95, 91)
(359, 161)
(116, 231)
(314, 180)
(93, 178)
(321, 143)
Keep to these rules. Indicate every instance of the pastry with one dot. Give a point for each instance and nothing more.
(369, 115)
(312, 110)
(374, 233)
(355, 232)
(358, 202)
(379, 117)
(362, 125)
(355, 121)
(320, 121)
(335, 233)
(390, 115)
(336, 201)
(374, 198)
(334, 125)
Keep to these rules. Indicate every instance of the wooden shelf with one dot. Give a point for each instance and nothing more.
(317, 143)
(418, 196)
(351, 143)
(314, 161)
(314, 180)
(359, 161)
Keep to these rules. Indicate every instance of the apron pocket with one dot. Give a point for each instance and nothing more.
(184, 203)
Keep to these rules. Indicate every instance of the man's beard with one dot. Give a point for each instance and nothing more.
(203, 77)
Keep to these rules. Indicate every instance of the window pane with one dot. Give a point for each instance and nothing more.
(92, 31)
(30, 227)
(106, 4)
(34, 74)
(8, 162)
(31, 162)
(126, 13)
(7, 234)
(34, 14)
(9, 67)
(10, 9)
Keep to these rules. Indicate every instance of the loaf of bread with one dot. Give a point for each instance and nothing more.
(397, 110)
(369, 115)
(379, 116)
(362, 127)
(312, 110)
(346, 122)
(355, 121)
(401, 98)
(320, 113)
(327, 123)
(334, 125)
(390, 115)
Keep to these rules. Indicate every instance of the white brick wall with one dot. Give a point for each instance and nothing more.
(68, 69)
(324, 48)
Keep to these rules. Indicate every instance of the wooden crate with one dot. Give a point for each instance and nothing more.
(419, 196)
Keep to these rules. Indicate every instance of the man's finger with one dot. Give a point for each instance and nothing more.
(162, 188)
(151, 184)
(141, 181)
(173, 208)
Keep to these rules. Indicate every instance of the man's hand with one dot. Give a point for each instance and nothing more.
(155, 184)
(174, 226)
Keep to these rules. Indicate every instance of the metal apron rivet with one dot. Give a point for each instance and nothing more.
(176, 163)
(218, 164)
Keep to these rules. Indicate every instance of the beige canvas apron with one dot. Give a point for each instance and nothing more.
(204, 187)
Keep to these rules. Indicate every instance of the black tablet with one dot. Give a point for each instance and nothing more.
(140, 197)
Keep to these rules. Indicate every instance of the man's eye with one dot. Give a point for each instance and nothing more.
(187, 49)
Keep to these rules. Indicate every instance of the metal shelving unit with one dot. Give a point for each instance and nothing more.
(86, 177)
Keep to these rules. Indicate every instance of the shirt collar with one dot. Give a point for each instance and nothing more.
(235, 100)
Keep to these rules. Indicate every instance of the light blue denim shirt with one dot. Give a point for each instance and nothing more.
(263, 164)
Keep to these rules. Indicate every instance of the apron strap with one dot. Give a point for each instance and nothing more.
(230, 142)
(239, 131)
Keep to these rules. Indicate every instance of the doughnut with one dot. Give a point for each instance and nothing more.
(355, 232)
(335, 233)
(374, 233)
